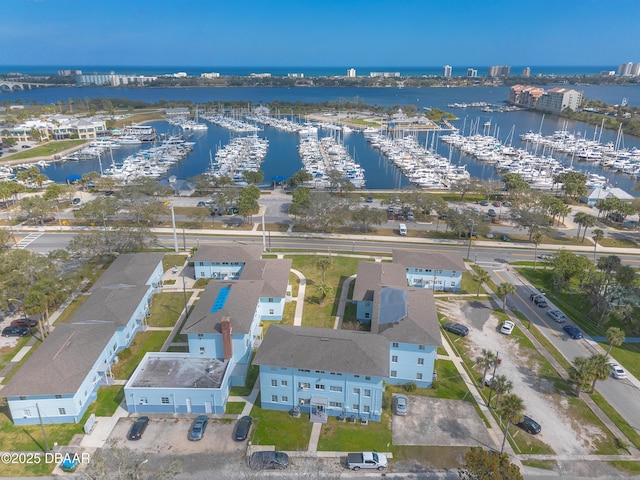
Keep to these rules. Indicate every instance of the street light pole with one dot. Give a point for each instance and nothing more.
(470, 234)
(175, 234)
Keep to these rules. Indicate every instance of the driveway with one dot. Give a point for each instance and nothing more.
(440, 422)
(168, 435)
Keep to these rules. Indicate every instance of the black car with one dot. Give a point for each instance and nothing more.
(456, 328)
(198, 427)
(505, 238)
(15, 332)
(529, 425)
(138, 428)
(242, 428)
(573, 332)
(540, 302)
(268, 460)
(484, 203)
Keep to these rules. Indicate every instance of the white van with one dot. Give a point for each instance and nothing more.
(403, 229)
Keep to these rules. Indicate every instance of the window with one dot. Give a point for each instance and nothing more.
(201, 350)
(270, 300)
(274, 382)
(285, 399)
(164, 400)
(453, 284)
(394, 359)
(335, 404)
(418, 376)
(284, 383)
(394, 373)
(304, 385)
(58, 396)
(367, 392)
(23, 398)
(356, 391)
(394, 344)
(367, 315)
(366, 409)
(271, 311)
(420, 347)
(274, 398)
(356, 406)
(201, 335)
(62, 411)
(367, 377)
(335, 388)
(273, 369)
(421, 361)
(319, 386)
(26, 413)
(143, 400)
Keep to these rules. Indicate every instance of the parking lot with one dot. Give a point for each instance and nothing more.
(441, 422)
(169, 435)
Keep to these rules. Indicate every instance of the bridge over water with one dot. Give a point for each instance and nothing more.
(9, 86)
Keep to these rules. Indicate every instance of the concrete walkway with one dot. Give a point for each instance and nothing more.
(344, 293)
(299, 299)
(103, 428)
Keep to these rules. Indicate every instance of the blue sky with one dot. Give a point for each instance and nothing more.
(319, 32)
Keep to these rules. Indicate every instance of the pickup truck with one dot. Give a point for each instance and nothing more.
(356, 461)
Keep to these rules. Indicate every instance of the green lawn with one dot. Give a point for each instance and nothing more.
(346, 436)
(166, 309)
(109, 398)
(250, 380)
(235, 408)
(280, 429)
(619, 420)
(129, 358)
(48, 149)
(317, 314)
(171, 259)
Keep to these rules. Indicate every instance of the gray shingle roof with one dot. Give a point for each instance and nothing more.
(275, 274)
(373, 274)
(227, 253)
(65, 358)
(359, 353)
(430, 260)
(419, 326)
(239, 307)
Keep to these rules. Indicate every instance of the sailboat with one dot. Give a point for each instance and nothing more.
(198, 126)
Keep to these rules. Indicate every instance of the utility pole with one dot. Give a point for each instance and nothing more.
(44, 434)
(470, 235)
(175, 235)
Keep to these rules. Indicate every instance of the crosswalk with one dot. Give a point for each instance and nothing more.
(28, 240)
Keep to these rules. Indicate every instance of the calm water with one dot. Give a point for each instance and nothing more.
(283, 159)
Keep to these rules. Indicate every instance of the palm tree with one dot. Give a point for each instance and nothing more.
(323, 290)
(486, 360)
(597, 236)
(501, 384)
(481, 277)
(587, 222)
(511, 411)
(615, 337)
(600, 367)
(581, 372)
(324, 263)
(504, 289)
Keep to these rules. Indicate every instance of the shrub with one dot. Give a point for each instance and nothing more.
(410, 387)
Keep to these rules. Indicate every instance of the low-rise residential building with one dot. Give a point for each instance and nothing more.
(57, 127)
(558, 99)
(61, 378)
(437, 271)
(222, 330)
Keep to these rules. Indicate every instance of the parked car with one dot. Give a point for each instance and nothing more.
(573, 332)
(24, 322)
(497, 203)
(492, 213)
(505, 238)
(369, 199)
(529, 425)
(616, 370)
(400, 404)
(456, 328)
(484, 203)
(557, 315)
(488, 380)
(15, 332)
(268, 460)
(507, 327)
(201, 204)
(198, 427)
(410, 216)
(242, 428)
(489, 235)
(138, 428)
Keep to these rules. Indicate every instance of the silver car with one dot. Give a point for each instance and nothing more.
(400, 404)
(557, 315)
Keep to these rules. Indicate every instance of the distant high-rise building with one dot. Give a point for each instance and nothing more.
(472, 72)
(210, 75)
(499, 71)
(446, 71)
(526, 72)
(559, 99)
(385, 74)
(624, 69)
(351, 73)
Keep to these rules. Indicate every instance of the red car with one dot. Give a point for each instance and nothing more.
(24, 323)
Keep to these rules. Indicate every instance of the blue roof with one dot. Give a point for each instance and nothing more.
(221, 299)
